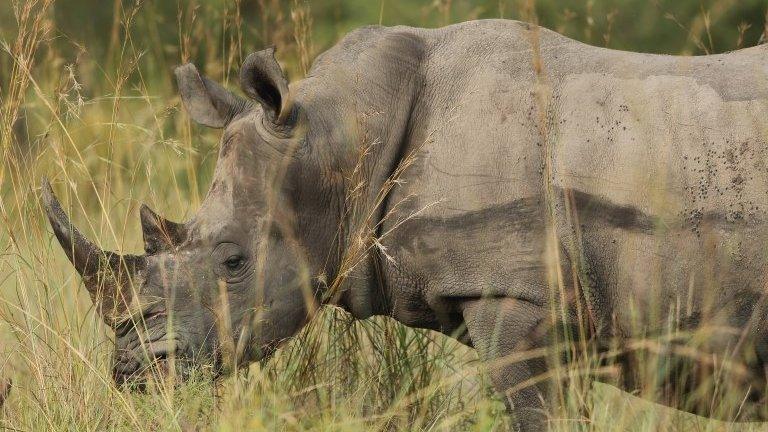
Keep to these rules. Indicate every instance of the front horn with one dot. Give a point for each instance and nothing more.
(108, 276)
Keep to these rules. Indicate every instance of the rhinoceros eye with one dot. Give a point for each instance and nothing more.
(234, 263)
(231, 261)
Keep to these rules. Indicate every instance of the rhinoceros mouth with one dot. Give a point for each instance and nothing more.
(139, 379)
(153, 362)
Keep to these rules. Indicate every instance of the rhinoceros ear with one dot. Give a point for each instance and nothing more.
(262, 79)
(207, 102)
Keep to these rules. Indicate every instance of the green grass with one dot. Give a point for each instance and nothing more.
(87, 100)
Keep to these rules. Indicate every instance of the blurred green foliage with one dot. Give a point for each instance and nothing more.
(657, 26)
(660, 26)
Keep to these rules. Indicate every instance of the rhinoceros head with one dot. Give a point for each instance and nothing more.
(234, 280)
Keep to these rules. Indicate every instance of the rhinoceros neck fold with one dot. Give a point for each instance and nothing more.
(372, 98)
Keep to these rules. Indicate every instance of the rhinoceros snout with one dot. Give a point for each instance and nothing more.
(153, 361)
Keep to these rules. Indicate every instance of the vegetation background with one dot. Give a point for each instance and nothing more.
(87, 99)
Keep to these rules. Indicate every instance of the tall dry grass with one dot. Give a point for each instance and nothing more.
(109, 132)
(125, 140)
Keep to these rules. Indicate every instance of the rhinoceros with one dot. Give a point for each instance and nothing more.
(491, 180)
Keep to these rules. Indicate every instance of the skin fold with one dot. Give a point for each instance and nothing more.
(494, 163)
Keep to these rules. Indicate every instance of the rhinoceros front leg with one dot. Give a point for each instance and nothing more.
(505, 331)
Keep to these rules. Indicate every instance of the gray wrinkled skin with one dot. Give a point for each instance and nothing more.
(658, 168)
